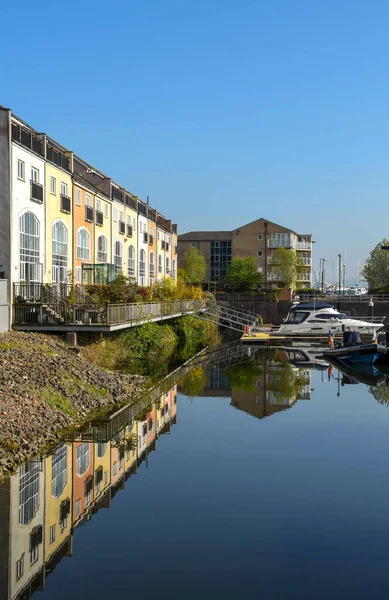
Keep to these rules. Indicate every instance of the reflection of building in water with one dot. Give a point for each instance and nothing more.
(58, 517)
(26, 524)
(274, 388)
(42, 503)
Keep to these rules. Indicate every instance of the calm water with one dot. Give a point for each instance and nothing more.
(271, 480)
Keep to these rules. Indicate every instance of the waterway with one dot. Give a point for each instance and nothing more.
(267, 478)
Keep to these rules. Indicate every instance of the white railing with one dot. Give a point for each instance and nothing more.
(303, 277)
(306, 261)
(303, 245)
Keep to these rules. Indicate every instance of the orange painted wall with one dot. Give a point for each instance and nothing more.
(79, 481)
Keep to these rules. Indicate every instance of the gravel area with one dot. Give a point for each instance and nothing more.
(46, 388)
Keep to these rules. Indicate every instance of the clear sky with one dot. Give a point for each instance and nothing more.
(222, 111)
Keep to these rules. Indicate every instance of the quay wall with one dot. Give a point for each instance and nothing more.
(275, 312)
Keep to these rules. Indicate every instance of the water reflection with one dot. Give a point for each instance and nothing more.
(264, 382)
(49, 497)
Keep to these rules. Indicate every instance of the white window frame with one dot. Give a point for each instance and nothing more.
(259, 237)
(53, 185)
(115, 214)
(20, 568)
(105, 210)
(78, 197)
(35, 174)
(98, 205)
(88, 200)
(259, 253)
(21, 170)
(83, 458)
(78, 274)
(52, 534)
(102, 253)
(64, 188)
(78, 507)
(83, 251)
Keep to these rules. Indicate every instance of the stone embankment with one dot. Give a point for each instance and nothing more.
(45, 389)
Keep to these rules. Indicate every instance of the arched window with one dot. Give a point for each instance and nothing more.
(167, 271)
(151, 268)
(28, 490)
(142, 267)
(83, 242)
(174, 268)
(29, 248)
(59, 470)
(118, 257)
(102, 245)
(160, 269)
(82, 458)
(59, 256)
(131, 261)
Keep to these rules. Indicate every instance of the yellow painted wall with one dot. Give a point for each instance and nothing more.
(131, 456)
(53, 505)
(53, 213)
(105, 462)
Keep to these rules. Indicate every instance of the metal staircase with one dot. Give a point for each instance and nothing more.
(227, 316)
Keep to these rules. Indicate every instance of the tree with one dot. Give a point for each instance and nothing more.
(376, 268)
(285, 265)
(195, 266)
(242, 275)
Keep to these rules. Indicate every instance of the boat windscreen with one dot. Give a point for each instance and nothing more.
(297, 317)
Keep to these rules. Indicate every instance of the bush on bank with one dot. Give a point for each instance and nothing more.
(125, 290)
(152, 348)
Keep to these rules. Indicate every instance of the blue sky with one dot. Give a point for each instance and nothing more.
(222, 111)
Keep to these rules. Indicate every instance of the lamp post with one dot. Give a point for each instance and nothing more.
(323, 274)
(340, 272)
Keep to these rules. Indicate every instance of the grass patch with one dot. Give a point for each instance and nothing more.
(57, 400)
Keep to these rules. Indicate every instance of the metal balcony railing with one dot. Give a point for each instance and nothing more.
(36, 192)
(99, 217)
(66, 204)
(89, 214)
(122, 227)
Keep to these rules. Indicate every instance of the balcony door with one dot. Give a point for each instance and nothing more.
(59, 264)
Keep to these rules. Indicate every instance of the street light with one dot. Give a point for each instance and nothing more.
(323, 273)
(340, 272)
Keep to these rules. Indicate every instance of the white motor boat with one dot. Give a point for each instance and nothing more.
(318, 318)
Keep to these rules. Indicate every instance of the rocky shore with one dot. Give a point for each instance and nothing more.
(45, 388)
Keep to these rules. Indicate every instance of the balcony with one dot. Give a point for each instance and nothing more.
(89, 214)
(303, 245)
(66, 205)
(129, 231)
(26, 138)
(145, 238)
(276, 243)
(303, 277)
(151, 239)
(306, 262)
(122, 227)
(57, 157)
(36, 192)
(99, 218)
